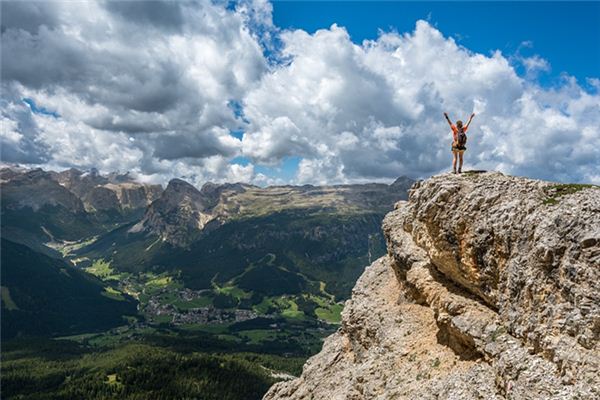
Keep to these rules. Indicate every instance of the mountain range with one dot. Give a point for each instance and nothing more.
(277, 252)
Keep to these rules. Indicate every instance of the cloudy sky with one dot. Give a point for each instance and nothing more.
(306, 92)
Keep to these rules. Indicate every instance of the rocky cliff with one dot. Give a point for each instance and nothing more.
(35, 189)
(490, 290)
(118, 192)
(178, 215)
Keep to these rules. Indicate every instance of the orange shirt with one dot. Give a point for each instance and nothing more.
(455, 131)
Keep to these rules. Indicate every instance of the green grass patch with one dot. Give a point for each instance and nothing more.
(152, 284)
(102, 270)
(162, 319)
(112, 293)
(497, 333)
(264, 306)
(7, 300)
(77, 338)
(216, 329)
(234, 291)
(319, 300)
(289, 308)
(203, 301)
(256, 336)
(113, 380)
(104, 340)
(162, 281)
(228, 338)
(331, 314)
(554, 192)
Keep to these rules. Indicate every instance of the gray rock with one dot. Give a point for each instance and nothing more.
(490, 289)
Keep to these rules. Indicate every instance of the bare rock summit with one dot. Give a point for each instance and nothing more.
(490, 290)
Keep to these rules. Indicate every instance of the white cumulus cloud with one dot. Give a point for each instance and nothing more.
(164, 89)
(373, 111)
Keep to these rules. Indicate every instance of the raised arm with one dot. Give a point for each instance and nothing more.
(448, 119)
(470, 119)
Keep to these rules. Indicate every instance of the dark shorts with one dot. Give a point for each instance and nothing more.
(460, 149)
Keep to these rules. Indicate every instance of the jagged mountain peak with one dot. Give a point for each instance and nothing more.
(178, 184)
(117, 177)
(183, 205)
(179, 191)
(35, 174)
(403, 181)
(178, 215)
(210, 187)
(36, 188)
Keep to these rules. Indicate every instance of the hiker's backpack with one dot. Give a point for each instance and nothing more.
(461, 138)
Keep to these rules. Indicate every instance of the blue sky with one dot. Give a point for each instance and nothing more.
(566, 34)
(39, 110)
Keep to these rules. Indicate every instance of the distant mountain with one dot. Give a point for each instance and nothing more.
(182, 212)
(288, 252)
(46, 296)
(36, 209)
(318, 235)
(39, 207)
(179, 214)
(36, 189)
(119, 192)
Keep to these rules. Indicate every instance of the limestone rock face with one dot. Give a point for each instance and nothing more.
(134, 195)
(178, 215)
(101, 198)
(490, 289)
(118, 192)
(35, 189)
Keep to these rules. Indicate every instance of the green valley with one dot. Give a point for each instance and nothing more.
(229, 280)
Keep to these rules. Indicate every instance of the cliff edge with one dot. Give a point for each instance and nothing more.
(490, 290)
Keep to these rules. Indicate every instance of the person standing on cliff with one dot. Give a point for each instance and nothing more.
(459, 136)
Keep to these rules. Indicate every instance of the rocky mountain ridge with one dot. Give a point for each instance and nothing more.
(178, 215)
(76, 190)
(35, 189)
(182, 212)
(490, 289)
(111, 192)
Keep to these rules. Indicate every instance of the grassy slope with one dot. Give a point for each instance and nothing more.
(308, 246)
(50, 297)
(282, 261)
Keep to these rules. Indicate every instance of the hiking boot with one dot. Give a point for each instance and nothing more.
(459, 170)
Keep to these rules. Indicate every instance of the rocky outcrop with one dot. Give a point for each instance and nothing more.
(490, 290)
(134, 195)
(178, 216)
(100, 198)
(116, 192)
(35, 189)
